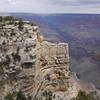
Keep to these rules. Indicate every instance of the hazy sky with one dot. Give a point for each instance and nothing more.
(50, 6)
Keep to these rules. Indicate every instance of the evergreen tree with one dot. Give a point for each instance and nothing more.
(9, 96)
(1, 18)
(83, 96)
(20, 96)
(20, 24)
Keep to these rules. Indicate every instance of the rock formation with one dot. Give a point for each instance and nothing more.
(38, 68)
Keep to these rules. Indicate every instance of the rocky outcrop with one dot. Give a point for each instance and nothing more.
(38, 68)
(52, 68)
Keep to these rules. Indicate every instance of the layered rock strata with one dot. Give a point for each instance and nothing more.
(38, 68)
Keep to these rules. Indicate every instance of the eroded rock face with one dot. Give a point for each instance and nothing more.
(17, 56)
(52, 69)
(38, 68)
(49, 74)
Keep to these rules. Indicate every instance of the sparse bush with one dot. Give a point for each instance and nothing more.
(2, 82)
(9, 96)
(47, 77)
(16, 56)
(26, 49)
(8, 18)
(8, 58)
(20, 24)
(32, 57)
(4, 43)
(12, 32)
(1, 68)
(1, 18)
(47, 95)
(18, 50)
(83, 96)
(33, 24)
(20, 96)
(4, 63)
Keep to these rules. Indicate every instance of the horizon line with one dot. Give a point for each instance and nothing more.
(49, 13)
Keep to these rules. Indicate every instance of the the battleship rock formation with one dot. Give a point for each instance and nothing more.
(36, 67)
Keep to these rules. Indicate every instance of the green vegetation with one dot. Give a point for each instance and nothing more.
(83, 96)
(2, 82)
(16, 56)
(33, 24)
(4, 43)
(20, 24)
(1, 18)
(8, 18)
(4, 63)
(47, 77)
(26, 49)
(12, 32)
(9, 96)
(32, 57)
(15, 96)
(20, 96)
(8, 59)
(1, 68)
(47, 95)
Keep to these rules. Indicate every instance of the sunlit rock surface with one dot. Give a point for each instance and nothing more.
(38, 68)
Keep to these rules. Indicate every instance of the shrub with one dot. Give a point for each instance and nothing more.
(8, 58)
(1, 68)
(9, 96)
(4, 63)
(4, 43)
(16, 56)
(47, 95)
(20, 96)
(8, 18)
(1, 18)
(20, 24)
(12, 32)
(47, 77)
(83, 96)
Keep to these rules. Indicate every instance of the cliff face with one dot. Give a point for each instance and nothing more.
(38, 68)
(52, 68)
